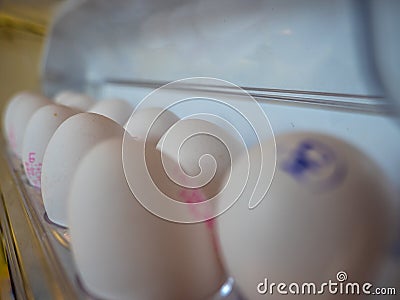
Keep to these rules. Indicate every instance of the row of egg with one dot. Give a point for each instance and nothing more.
(325, 210)
(74, 157)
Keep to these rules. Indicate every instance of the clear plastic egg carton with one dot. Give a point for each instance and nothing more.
(136, 50)
(46, 270)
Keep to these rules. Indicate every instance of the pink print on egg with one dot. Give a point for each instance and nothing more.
(192, 196)
(31, 157)
(196, 196)
(33, 170)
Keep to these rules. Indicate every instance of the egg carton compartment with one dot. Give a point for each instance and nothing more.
(42, 265)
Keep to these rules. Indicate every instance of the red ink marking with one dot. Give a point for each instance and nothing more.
(196, 196)
(33, 171)
(32, 157)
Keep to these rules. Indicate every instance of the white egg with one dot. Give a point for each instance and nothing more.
(39, 130)
(18, 112)
(61, 96)
(197, 154)
(145, 257)
(8, 114)
(326, 212)
(150, 123)
(72, 139)
(74, 100)
(201, 153)
(116, 109)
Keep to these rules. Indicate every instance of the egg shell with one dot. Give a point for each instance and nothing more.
(150, 123)
(9, 112)
(61, 96)
(72, 139)
(201, 153)
(326, 211)
(197, 154)
(116, 109)
(17, 115)
(40, 129)
(145, 257)
(74, 100)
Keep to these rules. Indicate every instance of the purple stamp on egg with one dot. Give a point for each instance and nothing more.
(315, 164)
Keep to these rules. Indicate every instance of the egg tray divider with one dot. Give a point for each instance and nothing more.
(37, 250)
